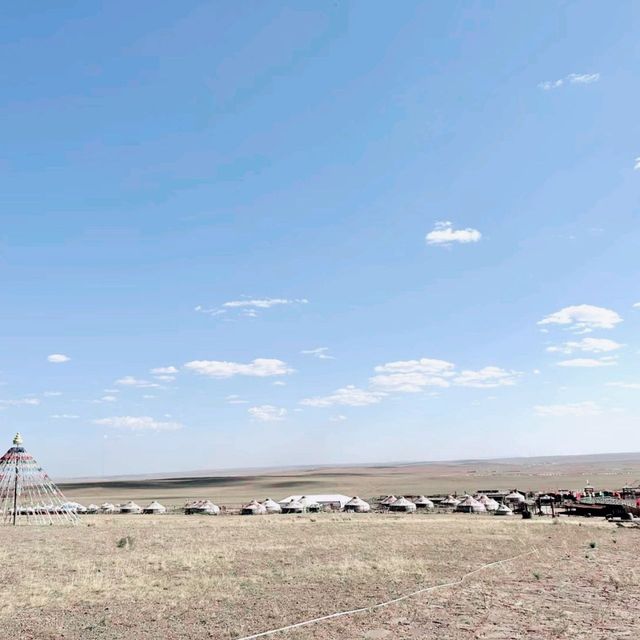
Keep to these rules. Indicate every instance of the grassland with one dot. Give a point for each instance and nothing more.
(225, 577)
(234, 487)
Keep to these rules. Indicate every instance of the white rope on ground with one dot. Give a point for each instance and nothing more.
(339, 614)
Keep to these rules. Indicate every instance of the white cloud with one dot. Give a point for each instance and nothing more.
(165, 378)
(407, 382)
(260, 367)
(579, 409)
(235, 399)
(572, 78)
(636, 164)
(130, 381)
(637, 304)
(106, 399)
(349, 396)
(487, 378)
(52, 394)
(22, 402)
(338, 418)
(64, 416)
(583, 78)
(138, 423)
(583, 318)
(149, 396)
(444, 234)
(589, 345)
(548, 85)
(249, 306)
(625, 385)
(588, 362)
(279, 383)
(158, 371)
(58, 358)
(320, 353)
(267, 413)
(429, 366)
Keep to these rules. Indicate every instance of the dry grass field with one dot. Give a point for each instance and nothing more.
(229, 576)
(232, 488)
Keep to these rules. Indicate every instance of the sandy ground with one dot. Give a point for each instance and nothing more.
(227, 577)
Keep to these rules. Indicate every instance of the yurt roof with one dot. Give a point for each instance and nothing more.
(356, 502)
(503, 509)
(388, 500)
(130, 505)
(272, 504)
(402, 502)
(490, 502)
(422, 500)
(154, 505)
(470, 501)
(450, 500)
(514, 495)
(293, 504)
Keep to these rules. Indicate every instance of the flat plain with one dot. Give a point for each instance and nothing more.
(227, 577)
(232, 488)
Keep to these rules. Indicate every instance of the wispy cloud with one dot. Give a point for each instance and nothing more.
(583, 318)
(164, 374)
(587, 345)
(21, 402)
(58, 358)
(267, 413)
(52, 394)
(319, 352)
(444, 234)
(235, 399)
(572, 78)
(249, 306)
(577, 409)
(625, 385)
(260, 367)
(588, 362)
(412, 376)
(130, 381)
(138, 423)
(487, 378)
(338, 418)
(349, 396)
(64, 416)
(636, 164)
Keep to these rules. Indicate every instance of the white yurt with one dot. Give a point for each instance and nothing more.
(271, 506)
(253, 508)
(450, 502)
(154, 507)
(503, 510)
(423, 503)
(470, 505)
(389, 500)
(293, 506)
(73, 507)
(402, 505)
(357, 505)
(514, 498)
(107, 507)
(93, 508)
(310, 504)
(130, 507)
(489, 503)
(201, 507)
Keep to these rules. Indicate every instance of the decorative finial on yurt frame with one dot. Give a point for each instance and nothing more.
(17, 440)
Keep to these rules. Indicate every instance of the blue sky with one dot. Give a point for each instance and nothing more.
(288, 233)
